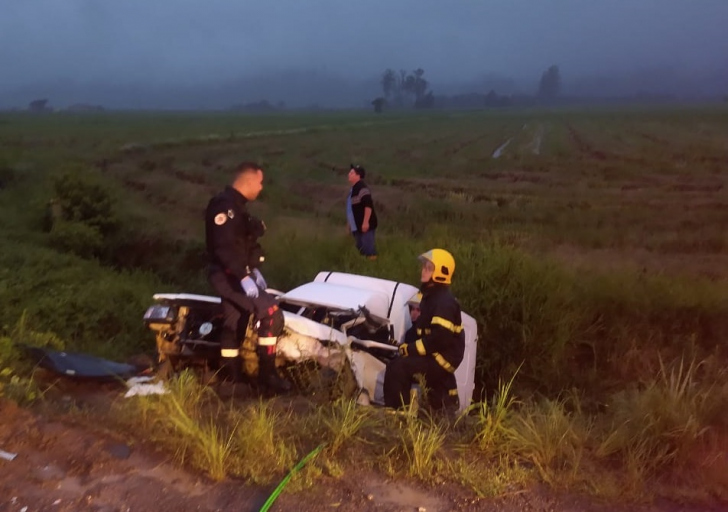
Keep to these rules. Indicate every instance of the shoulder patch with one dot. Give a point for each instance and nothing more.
(220, 219)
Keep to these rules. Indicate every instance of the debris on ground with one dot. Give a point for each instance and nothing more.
(7, 455)
(140, 386)
(78, 365)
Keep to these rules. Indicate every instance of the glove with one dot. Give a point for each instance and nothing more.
(249, 287)
(403, 350)
(259, 279)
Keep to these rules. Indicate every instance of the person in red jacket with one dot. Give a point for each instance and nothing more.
(440, 344)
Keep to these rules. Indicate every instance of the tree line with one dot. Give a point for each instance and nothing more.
(403, 89)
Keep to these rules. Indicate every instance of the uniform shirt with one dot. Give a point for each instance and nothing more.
(361, 198)
(439, 327)
(231, 234)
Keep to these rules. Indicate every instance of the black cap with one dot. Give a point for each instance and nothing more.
(359, 170)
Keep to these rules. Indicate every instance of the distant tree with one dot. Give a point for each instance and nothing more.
(402, 86)
(419, 84)
(493, 99)
(408, 86)
(402, 78)
(389, 83)
(415, 86)
(426, 101)
(39, 106)
(378, 104)
(550, 84)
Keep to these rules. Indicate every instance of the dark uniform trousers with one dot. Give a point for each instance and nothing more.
(237, 308)
(441, 384)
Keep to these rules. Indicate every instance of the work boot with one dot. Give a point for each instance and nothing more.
(232, 368)
(232, 381)
(228, 389)
(268, 378)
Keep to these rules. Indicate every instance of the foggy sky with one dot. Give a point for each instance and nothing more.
(188, 43)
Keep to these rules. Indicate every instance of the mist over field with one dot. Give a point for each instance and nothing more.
(185, 54)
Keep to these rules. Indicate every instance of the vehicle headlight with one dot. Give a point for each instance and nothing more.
(159, 313)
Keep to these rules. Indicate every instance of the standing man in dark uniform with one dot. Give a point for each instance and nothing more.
(235, 257)
(439, 346)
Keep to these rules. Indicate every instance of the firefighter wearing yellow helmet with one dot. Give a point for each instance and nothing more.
(440, 344)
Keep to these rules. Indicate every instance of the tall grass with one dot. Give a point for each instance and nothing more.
(17, 374)
(201, 431)
(259, 447)
(177, 420)
(654, 429)
(495, 478)
(551, 438)
(91, 307)
(344, 419)
(643, 435)
(420, 441)
(493, 417)
(211, 446)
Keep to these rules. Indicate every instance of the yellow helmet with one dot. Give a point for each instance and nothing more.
(415, 300)
(443, 262)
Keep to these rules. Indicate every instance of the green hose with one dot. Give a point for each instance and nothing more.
(278, 490)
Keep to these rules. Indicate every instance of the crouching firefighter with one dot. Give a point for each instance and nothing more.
(439, 346)
(235, 257)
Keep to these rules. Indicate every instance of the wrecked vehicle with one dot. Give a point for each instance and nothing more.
(340, 321)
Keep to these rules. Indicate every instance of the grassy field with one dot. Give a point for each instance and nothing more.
(591, 246)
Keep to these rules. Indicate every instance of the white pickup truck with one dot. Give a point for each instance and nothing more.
(335, 320)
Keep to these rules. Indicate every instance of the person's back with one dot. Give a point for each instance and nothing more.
(439, 308)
